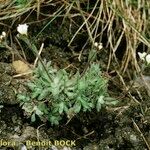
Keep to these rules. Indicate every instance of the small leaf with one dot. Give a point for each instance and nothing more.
(86, 105)
(46, 78)
(44, 94)
(99, 103)
(33, 117)
(110, 101)
(31, 85)
(28, 107)
(38, 111)
(70, 94)
(98, 106)
(77, 107)
(36, 93)
(42, 107)
(65, 108)
(54, 119)
(55, 108)
(61, 107)
(81, 85)
(89, 106)
(23, 97)
(101, 99)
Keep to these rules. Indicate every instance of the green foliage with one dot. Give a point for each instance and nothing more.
(21, 3)
(62, 93)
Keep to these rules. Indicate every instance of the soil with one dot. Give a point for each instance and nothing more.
(125, 126)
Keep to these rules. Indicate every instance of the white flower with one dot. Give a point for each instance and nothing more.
(145, 57)
(148, 59)
(22, 29)
(142, 55)
(4, 34)
(98, 45)
(1, 37)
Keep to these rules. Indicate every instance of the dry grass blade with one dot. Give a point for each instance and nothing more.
(138, 129)
(133, 21)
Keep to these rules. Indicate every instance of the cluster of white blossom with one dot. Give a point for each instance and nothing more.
(144, 57)
(99, 46)
(22, 29)
(2, 36)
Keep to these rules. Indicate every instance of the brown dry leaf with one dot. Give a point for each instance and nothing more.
(21, 67)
